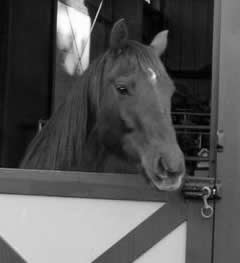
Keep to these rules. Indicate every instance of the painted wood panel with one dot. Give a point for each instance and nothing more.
(50, 229)
(43, 229)
(8, 254)
(176, 241)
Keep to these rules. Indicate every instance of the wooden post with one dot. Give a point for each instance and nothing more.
(227, 218)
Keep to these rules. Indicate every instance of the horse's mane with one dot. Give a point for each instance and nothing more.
(60, 143)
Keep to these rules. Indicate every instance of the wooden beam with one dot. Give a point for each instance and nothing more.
(79, 184)
(8, 254)
(145, 235)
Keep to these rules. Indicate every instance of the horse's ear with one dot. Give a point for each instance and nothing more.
(119, 34)
(159, 43)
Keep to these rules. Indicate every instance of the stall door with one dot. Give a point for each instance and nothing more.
(78, 217)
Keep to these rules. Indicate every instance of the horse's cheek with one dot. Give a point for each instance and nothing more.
(132, 145)
(110, 130)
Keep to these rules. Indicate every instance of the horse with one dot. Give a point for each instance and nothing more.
(117, 118)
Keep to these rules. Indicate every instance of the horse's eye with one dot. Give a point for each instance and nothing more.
(123, 90)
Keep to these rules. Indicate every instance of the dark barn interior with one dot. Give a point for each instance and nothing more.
(33, 81)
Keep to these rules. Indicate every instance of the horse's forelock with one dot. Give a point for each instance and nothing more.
(141, 55)
(146, 57)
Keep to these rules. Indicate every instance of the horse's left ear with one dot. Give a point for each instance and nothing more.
(159, 43)
(119, 34)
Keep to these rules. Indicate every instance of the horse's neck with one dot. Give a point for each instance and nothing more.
(90, 156)
(97, 158)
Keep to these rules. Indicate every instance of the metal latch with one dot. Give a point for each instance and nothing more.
(202, 188)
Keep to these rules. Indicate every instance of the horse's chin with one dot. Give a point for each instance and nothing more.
(163, 182)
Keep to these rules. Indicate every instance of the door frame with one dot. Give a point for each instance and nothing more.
(227, 212)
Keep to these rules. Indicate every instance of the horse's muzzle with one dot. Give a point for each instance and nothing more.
(164, 175)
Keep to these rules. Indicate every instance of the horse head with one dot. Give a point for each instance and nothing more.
(134, 116)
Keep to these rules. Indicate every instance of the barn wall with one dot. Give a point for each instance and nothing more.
(4, 25)
(132, 11)
(190, 25)
(28, 90)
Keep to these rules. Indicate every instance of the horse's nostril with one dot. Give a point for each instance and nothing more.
(164, 168)
(160, 166)
(161, 171)
(174, 174)
(164, 164)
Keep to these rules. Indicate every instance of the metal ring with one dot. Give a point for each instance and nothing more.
(207, 211)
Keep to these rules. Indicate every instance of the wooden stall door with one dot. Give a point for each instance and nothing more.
(129, 222)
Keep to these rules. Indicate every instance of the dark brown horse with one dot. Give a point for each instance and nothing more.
(117, 119)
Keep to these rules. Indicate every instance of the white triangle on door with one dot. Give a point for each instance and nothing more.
(60, 230)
